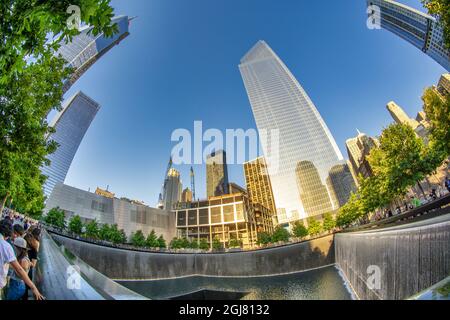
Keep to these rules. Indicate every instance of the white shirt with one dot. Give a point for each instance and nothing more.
(6, 257)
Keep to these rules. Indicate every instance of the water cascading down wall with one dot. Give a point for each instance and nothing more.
(406, 260)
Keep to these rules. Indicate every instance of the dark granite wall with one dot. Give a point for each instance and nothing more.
(126, 264)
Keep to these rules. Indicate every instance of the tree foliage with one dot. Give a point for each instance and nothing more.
(299, 230)
(401, 161)
(328, 222)
(280, 235)
(203, 245)
(152, 240)
(56, 218)
(217, 244)
(234, 243)
(112, 234)
(31, 85)
(138, 239)
(161, 242)
(437, 109)
(92, 229)
(441, 10)
(76, 225)
(314, 226)
(264, 238)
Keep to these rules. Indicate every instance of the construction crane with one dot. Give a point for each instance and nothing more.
(169, 166)
(193, 183)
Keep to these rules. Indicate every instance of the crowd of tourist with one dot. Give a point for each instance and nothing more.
(19, 247)
(413, 201)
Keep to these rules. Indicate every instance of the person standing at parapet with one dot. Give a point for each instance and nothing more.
(8, 258)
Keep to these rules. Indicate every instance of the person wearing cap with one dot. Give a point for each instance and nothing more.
(16, 287)
(8, 258)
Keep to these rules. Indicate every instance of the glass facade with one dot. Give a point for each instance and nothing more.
(258, 183)
(358, 149)
(340, 183)
(224, 218)
(85, 49)
(70, 125)
(307, 150)
(172, 189)
(418, 28)
(216, 174)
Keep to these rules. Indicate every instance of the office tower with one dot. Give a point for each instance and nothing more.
(258, 183)
(443, 86)
(85, 48)
(279, 103)
(70, 125)
(216, 174)
(172, 189)
(400, 116)
(186, 196)
(420, 128)
(312, 191)
(418, 28)
(358, 149)
(340, 184)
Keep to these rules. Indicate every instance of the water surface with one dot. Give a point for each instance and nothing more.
(321, 284)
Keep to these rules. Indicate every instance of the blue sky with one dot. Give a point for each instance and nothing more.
(180, 64)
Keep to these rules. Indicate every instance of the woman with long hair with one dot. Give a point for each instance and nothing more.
(33, 246)
(16, 288)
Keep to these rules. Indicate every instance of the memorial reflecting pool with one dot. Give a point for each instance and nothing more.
(321, 284)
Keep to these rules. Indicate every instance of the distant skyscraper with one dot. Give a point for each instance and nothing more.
(70, 125)
(85, 49)
(443, 86)
(418, 28)
(172, 189)
(216, 174)
(358, 149)
(400, 116)
(314, 194)
(258, 183)
(186, 196)
(340, 184)
(280, 103)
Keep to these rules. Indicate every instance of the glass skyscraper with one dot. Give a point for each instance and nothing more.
(216, 174)
(70, 125)
(172, 189)
(418, 28)
(85, 48)
(307, 150)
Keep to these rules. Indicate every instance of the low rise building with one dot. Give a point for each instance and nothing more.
(128, 215)
(226, 217)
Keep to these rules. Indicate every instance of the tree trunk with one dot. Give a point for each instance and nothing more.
(3, 203)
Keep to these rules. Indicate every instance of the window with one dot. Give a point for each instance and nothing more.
(228, 213)
(239, 211)
(216, 215)
(203, 216)
(192, 217)
(181, 218)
